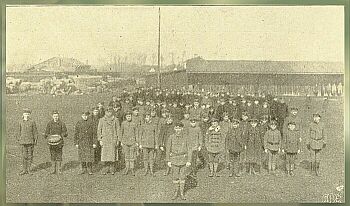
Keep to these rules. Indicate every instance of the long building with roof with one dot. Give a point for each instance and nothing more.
(247, 76)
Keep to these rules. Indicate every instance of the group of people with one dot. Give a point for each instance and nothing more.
(180, 132)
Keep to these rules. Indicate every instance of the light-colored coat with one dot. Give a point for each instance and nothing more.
(108, 131)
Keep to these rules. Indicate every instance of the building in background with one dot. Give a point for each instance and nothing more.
(252, 77)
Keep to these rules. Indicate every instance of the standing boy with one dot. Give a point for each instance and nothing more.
(234, 147)
(55, 131)
(129, 137)
(178, 156)
(272, 143)
(215, 143)
(291, 146)
(27, 137)
(316, 142)
(148, 142)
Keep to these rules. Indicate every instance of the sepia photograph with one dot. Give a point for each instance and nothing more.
(174, 104)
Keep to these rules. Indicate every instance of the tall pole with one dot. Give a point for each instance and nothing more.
(159, 82)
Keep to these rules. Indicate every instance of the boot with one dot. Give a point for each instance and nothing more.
(111, 168)
(252, 166)
(176, 192)
(25, 168)
(54, 166)
(211, 168)
(83, 168)
(182, 190)
(216, 169)
(89, 168)
(146, 168)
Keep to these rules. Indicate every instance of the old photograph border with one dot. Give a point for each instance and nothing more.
(345, 3)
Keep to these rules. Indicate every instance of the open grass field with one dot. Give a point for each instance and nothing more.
(71, 187)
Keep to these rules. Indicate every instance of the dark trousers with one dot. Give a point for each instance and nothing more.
(27, 152)
(160, 159)
(148, 157)
(56, 152)
(315, 155)
(27, 156)
(272, 160)
(234, 160)
(290, 161)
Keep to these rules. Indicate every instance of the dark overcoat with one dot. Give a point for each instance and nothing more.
(254, 145)
(85, 138)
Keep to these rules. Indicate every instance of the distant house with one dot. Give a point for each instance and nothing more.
(59, 64)
(279, 76)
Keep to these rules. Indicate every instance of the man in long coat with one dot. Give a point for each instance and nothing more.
(254, 145)
(107, 134)
(27, 137)
(85, 141)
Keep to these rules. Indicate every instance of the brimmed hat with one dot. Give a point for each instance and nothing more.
(316, 114)
(55, 112)
(291, 123)
(214, 120)
(95, 108)
(179, 124)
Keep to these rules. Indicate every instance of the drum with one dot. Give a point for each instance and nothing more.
(54, 139)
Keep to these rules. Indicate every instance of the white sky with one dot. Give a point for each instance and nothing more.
(92, 33)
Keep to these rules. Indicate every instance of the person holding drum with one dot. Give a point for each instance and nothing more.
(55, 131)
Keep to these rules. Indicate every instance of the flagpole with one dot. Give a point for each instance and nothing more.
(159, 78)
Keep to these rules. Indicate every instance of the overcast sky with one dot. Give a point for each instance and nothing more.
(96, 34)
